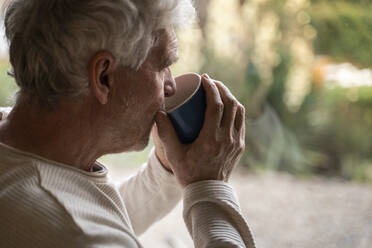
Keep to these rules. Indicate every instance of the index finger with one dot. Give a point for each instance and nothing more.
(215, 107)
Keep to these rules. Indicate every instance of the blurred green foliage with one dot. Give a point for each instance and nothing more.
(344, 30)
(334, 128)
(333, 125)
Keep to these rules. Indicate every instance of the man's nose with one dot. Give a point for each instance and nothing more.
(170, 87)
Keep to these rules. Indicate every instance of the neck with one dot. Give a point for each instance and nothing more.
(67, 135)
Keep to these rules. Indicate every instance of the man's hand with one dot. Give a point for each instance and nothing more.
(220, 145)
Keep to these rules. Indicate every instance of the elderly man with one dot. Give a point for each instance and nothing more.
(93, 76)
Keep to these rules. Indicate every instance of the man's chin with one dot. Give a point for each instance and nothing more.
(139, 143)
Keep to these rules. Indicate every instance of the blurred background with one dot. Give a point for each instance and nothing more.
(302, 68)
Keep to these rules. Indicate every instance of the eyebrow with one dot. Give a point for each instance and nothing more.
(169, 60)
(174, 59)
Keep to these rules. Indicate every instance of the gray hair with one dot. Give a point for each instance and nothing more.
(52, 41)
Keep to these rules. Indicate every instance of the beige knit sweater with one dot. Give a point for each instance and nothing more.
(48, 204)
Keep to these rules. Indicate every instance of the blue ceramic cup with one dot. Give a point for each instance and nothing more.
(186, 108)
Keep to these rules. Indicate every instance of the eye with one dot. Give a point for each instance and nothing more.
(167, 64)
(164, 67)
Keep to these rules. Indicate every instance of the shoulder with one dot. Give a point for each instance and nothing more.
(42, 205)
(29, 213)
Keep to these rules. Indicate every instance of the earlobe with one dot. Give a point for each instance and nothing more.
(101, 67)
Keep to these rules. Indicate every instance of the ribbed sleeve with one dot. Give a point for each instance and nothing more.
(47, 204)
(213, 217)
(150, 194)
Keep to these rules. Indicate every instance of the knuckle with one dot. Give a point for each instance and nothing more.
(241, 148)
(230, 141)
(211, 85)
(233, 103)
(241, 108)
(219, 106)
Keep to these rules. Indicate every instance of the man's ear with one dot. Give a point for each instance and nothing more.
(101, 78)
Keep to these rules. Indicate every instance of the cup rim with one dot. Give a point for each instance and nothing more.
(190, 96)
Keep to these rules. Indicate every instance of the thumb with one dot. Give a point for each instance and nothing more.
(166, 132)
